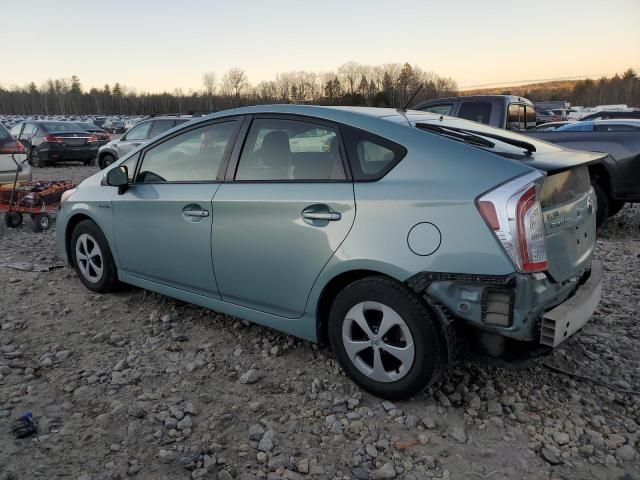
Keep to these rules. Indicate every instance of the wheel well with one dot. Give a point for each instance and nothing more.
(329, 293)
(71, 225)
(599, 175)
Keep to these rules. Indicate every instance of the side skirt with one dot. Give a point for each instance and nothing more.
(304, 327)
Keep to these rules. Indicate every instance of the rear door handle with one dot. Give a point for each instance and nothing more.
(327, 216)
(195, 213)
(320, 213)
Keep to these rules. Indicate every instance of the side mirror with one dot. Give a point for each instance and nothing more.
(119, 177)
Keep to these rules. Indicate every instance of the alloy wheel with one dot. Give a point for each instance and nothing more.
(378, 341)
(89, 258)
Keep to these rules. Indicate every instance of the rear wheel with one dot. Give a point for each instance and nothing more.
(385, 338)
(35, 159)
(13, 219)
(107, 160)
(602, 213)
(91, 257)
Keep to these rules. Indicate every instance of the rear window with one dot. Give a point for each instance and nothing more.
(371, 157)
(615, 127)
(576, 127)
(476, 111)
(564, 187)
(443, 109)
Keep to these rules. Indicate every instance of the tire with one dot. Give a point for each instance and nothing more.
(35, 160)
(41, 222)
(615, 206)
(602, 213)
(106, 160)
(96, 268)
(373, 301)
(13, 219)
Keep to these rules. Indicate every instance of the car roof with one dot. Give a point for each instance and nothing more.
(504, 98)
(329, 113)
(617, 121)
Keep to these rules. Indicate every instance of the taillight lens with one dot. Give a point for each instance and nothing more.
(92, 139)
(514, 214)
(52, 139)
(12, 147)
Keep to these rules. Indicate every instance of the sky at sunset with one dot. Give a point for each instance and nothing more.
(161, 44)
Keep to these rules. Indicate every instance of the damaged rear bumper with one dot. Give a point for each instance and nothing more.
(567, 318)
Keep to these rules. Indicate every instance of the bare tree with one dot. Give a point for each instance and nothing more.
(209, 80)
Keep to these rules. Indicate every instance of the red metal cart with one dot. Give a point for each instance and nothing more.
(40, 200)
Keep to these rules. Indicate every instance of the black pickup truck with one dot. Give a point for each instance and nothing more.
(615, 178)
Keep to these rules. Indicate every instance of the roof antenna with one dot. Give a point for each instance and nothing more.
(404, 109)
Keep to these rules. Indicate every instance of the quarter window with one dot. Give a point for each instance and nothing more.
(139, 132)
(193, 156)
(289, 150)
(371, 157)
(476, 111)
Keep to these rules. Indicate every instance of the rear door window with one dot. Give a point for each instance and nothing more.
(371, 157)
(476, 111)
(516, 118)
(160, 126)
(530, 117)
(289, 150)
(139, 132)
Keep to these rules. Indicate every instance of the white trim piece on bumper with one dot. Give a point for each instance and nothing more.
(569, 317)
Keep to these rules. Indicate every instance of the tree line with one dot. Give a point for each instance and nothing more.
(388, 85)
(619, 89)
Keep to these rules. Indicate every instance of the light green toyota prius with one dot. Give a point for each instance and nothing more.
(402, 238)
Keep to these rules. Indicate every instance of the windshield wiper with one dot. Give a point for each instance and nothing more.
(456, 133)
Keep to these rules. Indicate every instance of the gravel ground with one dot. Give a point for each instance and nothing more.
(137, 384)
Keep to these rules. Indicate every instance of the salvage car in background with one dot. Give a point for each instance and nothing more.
(399, 236)
(614, 177)
(502, 111)
(48, 141)
(138, 135)
(12, 156)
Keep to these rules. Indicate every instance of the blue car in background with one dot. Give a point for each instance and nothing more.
(400, 237)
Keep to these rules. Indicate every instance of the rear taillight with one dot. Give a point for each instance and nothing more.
(92, 139)
(514, 214)
(51, 139)
(12, 147)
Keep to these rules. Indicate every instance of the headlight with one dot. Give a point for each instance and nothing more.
(66, 195)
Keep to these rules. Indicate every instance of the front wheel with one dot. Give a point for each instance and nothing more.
(107, 160)
(40, 222)
(91, 257)
(385, 338)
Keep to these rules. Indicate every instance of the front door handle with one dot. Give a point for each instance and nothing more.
(195, 213)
